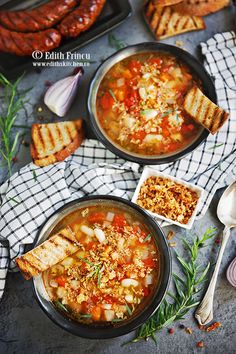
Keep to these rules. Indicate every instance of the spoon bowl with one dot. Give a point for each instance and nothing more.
(226, 210)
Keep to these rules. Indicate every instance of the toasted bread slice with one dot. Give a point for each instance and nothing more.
(54, 142)
(165, 22)
(166, 2)
(201, 7)
(204, 111)
(49, 253)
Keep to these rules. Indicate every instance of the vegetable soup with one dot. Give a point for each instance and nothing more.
(139, 104)
(114, 271)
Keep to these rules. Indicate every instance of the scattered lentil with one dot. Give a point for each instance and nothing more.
(172, 244)
(188, 330)
(200, 344)
(179, 43)
(170, 235)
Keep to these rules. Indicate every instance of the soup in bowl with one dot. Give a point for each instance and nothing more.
(136, 102)
(117, 277)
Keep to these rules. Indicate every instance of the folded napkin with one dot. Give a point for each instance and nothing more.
(31, 195)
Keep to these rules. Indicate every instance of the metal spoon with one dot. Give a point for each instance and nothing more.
(226, 212)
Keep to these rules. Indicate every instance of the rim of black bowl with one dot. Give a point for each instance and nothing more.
(96, 332)
(193, 63)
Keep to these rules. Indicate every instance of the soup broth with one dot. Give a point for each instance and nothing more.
(139, 104)
(113, 273)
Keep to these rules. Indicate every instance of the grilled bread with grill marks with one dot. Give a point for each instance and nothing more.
(166, 2)
(49, 253)
(201, 7)
(204, 111)
(54, 142)
(165, 22)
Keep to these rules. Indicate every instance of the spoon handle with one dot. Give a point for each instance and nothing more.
(204, 312)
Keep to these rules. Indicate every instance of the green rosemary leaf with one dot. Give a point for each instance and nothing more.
(128, 309)
(95, 271)
(203, 275)
(117, 320)
(112, 94)
(14, 143)
(215, 146)
(99, 277)
(86, 261)
(115, 42)
(85, 315)
(154, 338)
(147, 238)
(178, 278)
(35, 176)
(60, 305)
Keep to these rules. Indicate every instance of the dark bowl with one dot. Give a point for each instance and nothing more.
(151, 304)
(196, 67)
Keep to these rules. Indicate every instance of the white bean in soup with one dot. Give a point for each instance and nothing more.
(113, 273)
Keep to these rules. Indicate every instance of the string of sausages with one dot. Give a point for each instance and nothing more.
(24, 31)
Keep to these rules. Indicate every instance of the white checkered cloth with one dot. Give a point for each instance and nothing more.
(28, 198)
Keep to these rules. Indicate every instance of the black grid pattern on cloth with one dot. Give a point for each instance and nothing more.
(26, 201)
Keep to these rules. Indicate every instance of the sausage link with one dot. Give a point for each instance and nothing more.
(81, 18)
(37, 19)
(25, 43)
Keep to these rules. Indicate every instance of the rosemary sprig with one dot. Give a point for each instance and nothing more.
(35, 176)
(14, 102)
(215, 146)
(60, 305)
(147, 238)
(186, 289)
(112, 95)
(128, 309)
(115, 42)
(85, 315)
(95, 270)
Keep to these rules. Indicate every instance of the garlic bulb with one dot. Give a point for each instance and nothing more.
(59, 97)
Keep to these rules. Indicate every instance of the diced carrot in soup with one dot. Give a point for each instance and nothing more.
(97, 217)
(107, 101)
(61, 281)
(119, 221)
(96, 313)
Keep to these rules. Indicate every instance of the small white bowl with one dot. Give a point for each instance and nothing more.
(149, 172)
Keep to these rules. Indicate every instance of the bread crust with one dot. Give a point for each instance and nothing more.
(200, 7)
(166, 2)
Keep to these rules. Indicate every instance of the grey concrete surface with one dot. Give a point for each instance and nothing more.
(23, 326)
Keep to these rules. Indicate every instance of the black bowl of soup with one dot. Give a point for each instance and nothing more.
(117, 278)
(135, 103)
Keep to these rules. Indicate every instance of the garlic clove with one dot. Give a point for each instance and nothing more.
(59, 97)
